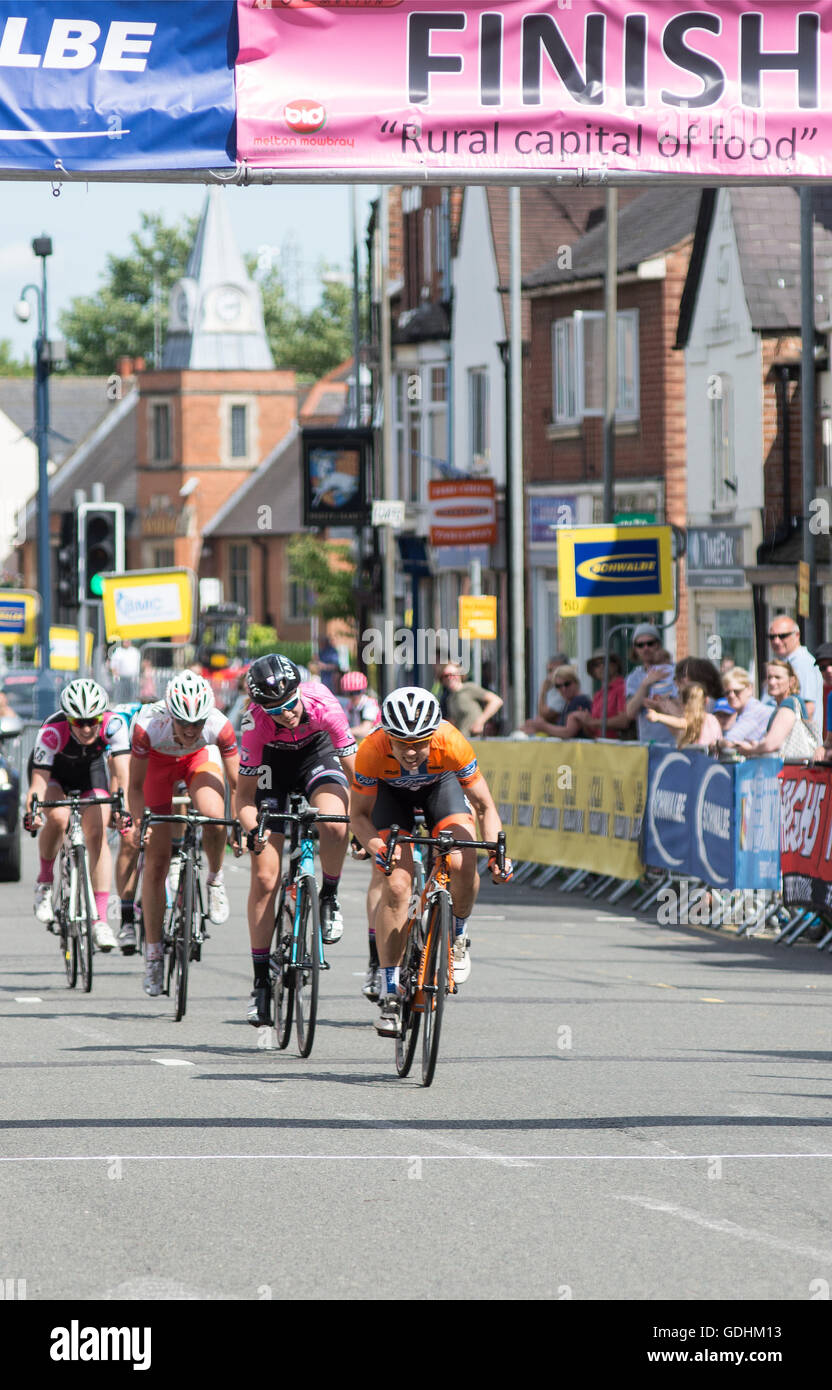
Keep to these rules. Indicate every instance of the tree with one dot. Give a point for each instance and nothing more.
(11, 365)
(118, 320)
(328, 572)
(312, 343)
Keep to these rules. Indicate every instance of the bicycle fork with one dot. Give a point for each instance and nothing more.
(304, 856)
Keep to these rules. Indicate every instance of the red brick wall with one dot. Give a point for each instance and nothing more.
(657, 449)
(777, 348)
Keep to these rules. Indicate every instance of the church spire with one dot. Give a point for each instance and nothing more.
(215, 312)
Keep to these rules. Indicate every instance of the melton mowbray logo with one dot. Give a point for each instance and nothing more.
(304, 115)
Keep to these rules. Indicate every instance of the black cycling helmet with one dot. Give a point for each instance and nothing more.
(272, 680)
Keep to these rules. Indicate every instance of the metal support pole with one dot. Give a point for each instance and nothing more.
(514, 479)
(807, 405)
(476, 645)
(388, 581)
(610, 397)
(42, 435)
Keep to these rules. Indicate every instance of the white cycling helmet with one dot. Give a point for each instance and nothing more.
(189, 697)
(410, 713)
(83, 699)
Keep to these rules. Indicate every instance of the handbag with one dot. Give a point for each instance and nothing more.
(801, 741)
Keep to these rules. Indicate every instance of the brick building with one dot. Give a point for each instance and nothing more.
(563, 421)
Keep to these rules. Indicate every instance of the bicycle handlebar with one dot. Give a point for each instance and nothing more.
(310, 815)
(190, 818)
(445, 843)
(74, 800)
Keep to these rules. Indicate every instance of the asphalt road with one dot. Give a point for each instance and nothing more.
(620, 1112)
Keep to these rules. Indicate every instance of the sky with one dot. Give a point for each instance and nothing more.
(302, 224)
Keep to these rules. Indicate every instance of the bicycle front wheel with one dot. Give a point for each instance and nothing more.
(436, 982)
(84, 920)
(411, 1018)
(308, 969)
(182, 942)
(283, 979)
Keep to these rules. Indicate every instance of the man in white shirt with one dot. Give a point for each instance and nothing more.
(784, 636)
(125, 663)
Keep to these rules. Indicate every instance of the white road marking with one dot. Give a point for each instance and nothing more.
(398, 1158)
(730, 1228)
(172, 1062)
(27, 999)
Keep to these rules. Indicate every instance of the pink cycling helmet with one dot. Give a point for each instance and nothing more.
(353, 682)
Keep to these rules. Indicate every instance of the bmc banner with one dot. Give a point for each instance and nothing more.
(806, 836)
(718, 822)
(576, 804)
(739, 88)
(125, 85)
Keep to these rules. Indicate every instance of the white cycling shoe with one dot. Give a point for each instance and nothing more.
(219, 909)
(462, 959)
(102, 936)
(44, 910)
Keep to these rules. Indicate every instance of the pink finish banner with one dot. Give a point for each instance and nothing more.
(742, 87)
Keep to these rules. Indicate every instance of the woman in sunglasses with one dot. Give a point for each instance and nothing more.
(295, 738)
(69, 756)
(183, 738)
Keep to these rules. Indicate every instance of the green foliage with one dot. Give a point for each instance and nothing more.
(299, 652)
(331, 585)
(312, 343)
(11, 365)
(118, 320)
(260, 640)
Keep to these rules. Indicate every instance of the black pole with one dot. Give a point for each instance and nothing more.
(807, 402)
(42, 246)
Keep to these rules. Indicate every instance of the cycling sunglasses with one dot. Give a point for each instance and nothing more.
(283, 709)
(86, 723)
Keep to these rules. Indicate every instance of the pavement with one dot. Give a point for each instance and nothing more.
(621, 1111)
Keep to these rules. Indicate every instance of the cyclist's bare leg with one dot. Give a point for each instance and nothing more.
(331, 800)
(462, 865)
(156, 865)
(207, 793)
(391, 913)
(95, 820)
(265, 873)
(127, 870)
(55, 824)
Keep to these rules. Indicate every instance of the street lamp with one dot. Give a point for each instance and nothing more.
(42, 247)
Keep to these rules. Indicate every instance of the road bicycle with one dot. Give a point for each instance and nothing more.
(426, 975)
(184, 932)
(298, 956)
(74, 910)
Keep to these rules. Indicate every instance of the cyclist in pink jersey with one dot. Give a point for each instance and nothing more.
(182, 738)
(295, 738)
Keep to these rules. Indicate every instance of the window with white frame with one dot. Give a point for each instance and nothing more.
(578, 366)
(479, 439)
(239, 574)
(420, 427)
(239, 432)
(723, 476)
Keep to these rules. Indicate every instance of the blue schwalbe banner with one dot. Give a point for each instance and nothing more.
(128, 85)
(718, 822)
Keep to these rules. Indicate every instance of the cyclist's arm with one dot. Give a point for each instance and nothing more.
(135, 789)
(119, 765)
(232, 768)
(37, 786)
(361, 822)
(348, 764)
(483, 803)
(245, 807)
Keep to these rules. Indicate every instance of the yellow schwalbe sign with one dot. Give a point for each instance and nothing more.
(614, 569)
(149, 603)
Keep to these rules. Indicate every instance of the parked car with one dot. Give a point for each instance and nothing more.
(10, 728)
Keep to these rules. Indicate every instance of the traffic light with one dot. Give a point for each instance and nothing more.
(68, 563)
(100, 544)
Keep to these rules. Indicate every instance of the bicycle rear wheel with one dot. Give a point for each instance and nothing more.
(308, 969)
(69, 946)
(283, 979)
(182, 942)
(84, 921)
(436, 982)
(411, 1018)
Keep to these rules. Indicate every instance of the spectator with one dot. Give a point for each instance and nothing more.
(783, 686)
(752, 715)
(363, 710)
(704, 673)
(652, 680)
(617, 718)
(125, 663)
(147, 683)
(576, 705)
(726, 665)
(330, 666)
(823, 657)
(698, 727)
(467, 705)
(784, 636)
(727, 717)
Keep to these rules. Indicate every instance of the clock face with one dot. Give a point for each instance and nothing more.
(228, 305)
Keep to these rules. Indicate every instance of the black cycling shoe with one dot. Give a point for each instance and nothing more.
(260, 1007)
